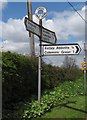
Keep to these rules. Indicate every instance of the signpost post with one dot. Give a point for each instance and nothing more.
(40, 17)
(39, 65)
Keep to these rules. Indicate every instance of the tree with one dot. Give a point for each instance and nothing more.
(70, 69)
(69, 62)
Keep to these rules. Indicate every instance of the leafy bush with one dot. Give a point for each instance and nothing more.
(19, 77)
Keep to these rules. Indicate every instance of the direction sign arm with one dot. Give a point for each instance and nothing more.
(62, 49)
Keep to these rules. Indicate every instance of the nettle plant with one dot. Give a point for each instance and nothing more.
(55, 97)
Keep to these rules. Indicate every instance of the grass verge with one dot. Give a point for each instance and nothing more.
(73, 108)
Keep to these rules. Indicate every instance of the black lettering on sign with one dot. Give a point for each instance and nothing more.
(65, 51)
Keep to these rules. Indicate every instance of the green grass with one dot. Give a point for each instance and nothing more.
(75, 109)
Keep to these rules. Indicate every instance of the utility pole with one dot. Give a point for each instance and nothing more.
(31, 35)
(85, 50)
(86, 40)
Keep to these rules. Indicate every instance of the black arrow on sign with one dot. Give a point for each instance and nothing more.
(77, 47)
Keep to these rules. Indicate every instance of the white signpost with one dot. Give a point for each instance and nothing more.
(32, 26)
(44, 35)
(47, 35)
(61, 49)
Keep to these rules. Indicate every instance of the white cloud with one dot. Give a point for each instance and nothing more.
(66, 24)
(14, 30)
(15, 36)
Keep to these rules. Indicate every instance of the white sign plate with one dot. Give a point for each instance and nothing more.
(48, 36)
(32, 26)
(62, 49)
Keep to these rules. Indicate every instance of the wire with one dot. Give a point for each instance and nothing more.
(76, 11)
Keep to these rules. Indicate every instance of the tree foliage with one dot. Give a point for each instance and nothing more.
(70, 69)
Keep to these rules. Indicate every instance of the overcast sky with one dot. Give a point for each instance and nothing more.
(61, 19)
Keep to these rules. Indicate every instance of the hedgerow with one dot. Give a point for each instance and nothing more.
(20, 77)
